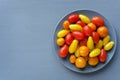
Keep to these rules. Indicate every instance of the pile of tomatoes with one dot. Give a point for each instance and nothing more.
(85, 40)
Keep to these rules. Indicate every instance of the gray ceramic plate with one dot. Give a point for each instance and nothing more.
(88, 69)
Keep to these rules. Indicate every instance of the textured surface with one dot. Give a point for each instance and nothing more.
(26, 39)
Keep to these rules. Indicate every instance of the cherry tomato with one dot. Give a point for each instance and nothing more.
(92, 26)
(81, 23)
(78, 35)
(84, 51)
(87, 30)
(83, 42)
(72, 58)
(66, 24)
(103, 55)
(80, 62)
(98, 21)
(102, 31)
(63, 52)
(73, 18)
(69, 38)
(60, 41)
(93, 61)
(95, 37)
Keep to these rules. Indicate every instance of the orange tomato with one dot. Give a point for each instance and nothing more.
(66, 24)
(93, 61)
(92, 26)
(80, 62)
(102, 31)
(72, 58)
(83, 50)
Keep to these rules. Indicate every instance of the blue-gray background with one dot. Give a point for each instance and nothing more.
(26, 34)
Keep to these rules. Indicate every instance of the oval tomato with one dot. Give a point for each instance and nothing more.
(78, 35)
(69, 38)
(73, 18)
(63, 52)
(95, 37)
(87, 31)
(103, 55)
(98, 21)
(81, 23)
(66, 24)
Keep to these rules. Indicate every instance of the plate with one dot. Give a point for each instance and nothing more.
(110, 53)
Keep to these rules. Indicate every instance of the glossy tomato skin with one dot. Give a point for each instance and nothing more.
(87, 30)
(81, 23)
(98, 21)
(78, 35)
(73, 18)
(95, 37)
(69, 38)
(103, 55)
(63, 52)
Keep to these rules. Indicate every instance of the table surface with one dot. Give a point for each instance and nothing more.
(26, 39)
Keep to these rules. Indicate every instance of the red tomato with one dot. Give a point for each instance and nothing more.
(98, 21)
(81, 23)
(63, 52)
(83, 42)
(73, 18)
(87, 30)
(78, 35)
(103, 55)
(95, 37)
(69, 38)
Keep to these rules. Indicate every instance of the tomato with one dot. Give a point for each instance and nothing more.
(98, 21)
(66, 24)
(83, 42)
(60, 41)
(73, 46)
(81, 23)
(103, 55)
(84, 51)
(102, 31)
(90, 43)
(87, 30)
(80, 62)
(69, 38)
(78, 35)
(95, 37)
(99, 44)
(72, 58)
(92, 26)
(63, 52)
(62, 33)
(109, 46)
(94, 52)
(106, 40)
(73, 18)
(75, 27)
(93, 61)
(77, 53)
(84, 18)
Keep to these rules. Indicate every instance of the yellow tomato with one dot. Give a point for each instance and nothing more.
(60, 41)
(62, 33)
(84, 18)
(73, 46)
